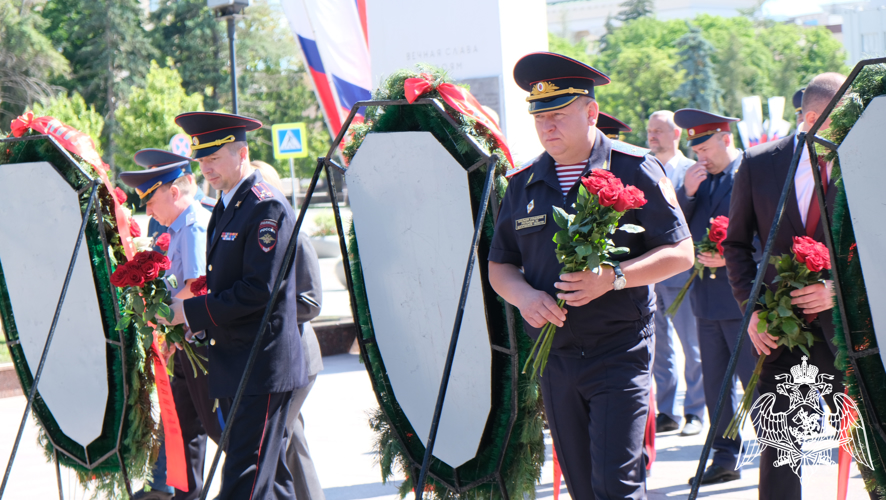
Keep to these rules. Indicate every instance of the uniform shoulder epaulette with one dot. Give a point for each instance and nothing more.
(517, 170)
(208, 202)
(629, 149)
(262, 191)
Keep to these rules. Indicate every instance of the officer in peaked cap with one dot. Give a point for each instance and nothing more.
(797, 101)
(611, 126)
(705, 194)
(597, 381)
(248, 235)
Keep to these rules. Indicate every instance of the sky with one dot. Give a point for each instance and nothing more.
(776, 8)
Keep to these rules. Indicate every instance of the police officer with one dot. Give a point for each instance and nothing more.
(705, 194)
(153, 158)
(248, 235)
(596, 383)
(173, 206)
(611, 126)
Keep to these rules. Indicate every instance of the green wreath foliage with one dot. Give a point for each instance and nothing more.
(523, 449)
(129, 364)
(870, 83)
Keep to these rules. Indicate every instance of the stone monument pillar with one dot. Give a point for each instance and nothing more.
(476, 42)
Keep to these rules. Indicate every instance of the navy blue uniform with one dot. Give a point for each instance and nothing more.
(247, 241)
(717, 313)
(596, 384)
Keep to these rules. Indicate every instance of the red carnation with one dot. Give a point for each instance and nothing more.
(120, 195)
(610, 193)
(630, 198)
(134, 230)
(811, 253)
(163, 242)
(198, 286)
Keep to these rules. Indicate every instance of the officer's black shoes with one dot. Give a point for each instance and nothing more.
(717, 474)
(664, 423)
(152, 495)
(692, 426)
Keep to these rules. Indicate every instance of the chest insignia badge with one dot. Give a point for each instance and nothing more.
(229, 236)
(538, 220)
(530, 178)
(267, 235)
(530, 206)
(238, 204)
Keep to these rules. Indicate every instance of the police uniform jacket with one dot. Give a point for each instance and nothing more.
(246, 245)
(524, 235)
(758, 186)
(711, 298)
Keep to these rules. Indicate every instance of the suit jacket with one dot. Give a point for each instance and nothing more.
(676, 177)
(711, 298)
(310, 299)
(246, 244)
(755, 194)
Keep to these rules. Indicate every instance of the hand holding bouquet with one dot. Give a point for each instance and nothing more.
(145, 297)
(712, 242)
(777, 315)
(583, 241)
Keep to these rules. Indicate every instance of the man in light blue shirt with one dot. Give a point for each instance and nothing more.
(663, 136)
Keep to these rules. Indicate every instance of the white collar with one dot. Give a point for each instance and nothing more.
(226, 197)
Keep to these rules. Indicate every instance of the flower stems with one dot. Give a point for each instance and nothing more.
(675, 305)
(543, 344)
(744, 407)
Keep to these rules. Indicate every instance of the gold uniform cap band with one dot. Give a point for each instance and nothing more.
(226, 140)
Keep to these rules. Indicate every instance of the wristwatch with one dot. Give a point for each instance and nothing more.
(620, 281)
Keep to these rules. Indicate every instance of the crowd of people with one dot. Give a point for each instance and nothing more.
(613, 343)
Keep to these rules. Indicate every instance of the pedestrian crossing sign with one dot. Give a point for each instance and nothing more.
(289, 140)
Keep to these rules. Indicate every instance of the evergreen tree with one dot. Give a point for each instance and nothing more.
(108, 50)
(634, 9)
(28, 61)
(700, 88)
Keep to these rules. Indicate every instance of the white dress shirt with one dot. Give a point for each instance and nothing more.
(804, 183)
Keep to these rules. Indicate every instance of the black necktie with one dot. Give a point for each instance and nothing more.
(715, 182)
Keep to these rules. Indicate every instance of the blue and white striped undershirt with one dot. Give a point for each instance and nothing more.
(569, 174)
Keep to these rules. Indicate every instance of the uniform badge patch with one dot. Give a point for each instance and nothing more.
(262, 191)
(229, 236)
(530, 206)
(267, 234)
(667, 189)
(538, 220)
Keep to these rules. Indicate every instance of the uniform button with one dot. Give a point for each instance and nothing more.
(210, 267)
(208, 291)
(211, 341)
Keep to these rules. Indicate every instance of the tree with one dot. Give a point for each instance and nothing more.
(73, 111)
(28, 61)
(147, 120)
(106, 44)
(700, 88)
(635, 9)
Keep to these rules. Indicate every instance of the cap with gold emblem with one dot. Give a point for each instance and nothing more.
(701, 125)
(798, 100)
(611, 126)
(210, 131)
(554, 81)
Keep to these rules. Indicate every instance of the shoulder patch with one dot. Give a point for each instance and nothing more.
(667, 190)
(629, 149)
(262, 191)
(267, 234)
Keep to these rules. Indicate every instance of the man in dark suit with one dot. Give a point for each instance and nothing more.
(705, 194)
(755, 195)
(248, 235)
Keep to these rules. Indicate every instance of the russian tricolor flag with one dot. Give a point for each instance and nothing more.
(334, 44)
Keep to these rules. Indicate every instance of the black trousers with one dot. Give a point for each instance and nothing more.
(197, 420)
(780, 483)
(597, 410)
(716, 341)
(255, 458)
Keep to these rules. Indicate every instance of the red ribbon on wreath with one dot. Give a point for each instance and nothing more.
(176, 464)
(460, 99)
(81, 145)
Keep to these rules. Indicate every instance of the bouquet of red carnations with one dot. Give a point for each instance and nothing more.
(146, 296)
(583, 241)
(712, 242)
(778, 316)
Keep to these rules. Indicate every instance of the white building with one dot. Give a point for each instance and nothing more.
(864, 31)
(586, 19)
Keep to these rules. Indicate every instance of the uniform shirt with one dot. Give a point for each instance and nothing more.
(804, 183)
(155, 229)
(618, 316)
(187, 246)
(226, 197)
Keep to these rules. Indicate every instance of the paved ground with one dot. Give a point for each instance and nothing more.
(341, 442)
